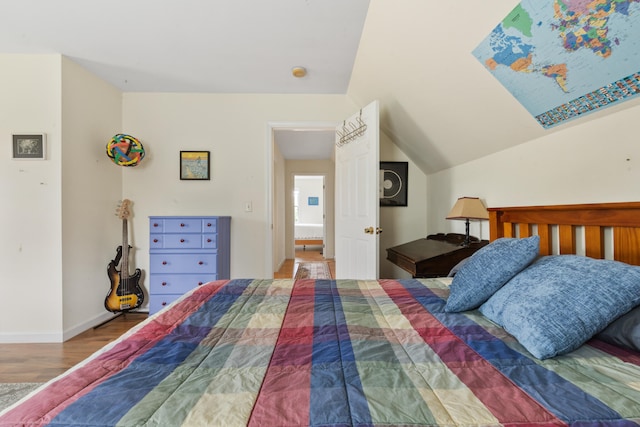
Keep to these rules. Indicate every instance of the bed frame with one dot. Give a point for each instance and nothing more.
(599, 230)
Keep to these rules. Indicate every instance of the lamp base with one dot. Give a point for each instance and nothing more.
(467, 240)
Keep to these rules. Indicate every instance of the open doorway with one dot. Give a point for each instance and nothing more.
(303, 150)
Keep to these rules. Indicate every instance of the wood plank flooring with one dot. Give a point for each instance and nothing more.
(290, 266)
(41, 362)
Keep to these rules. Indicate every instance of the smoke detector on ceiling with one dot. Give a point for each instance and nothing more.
(299, 72)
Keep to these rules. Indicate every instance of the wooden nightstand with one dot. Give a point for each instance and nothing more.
(434, 256)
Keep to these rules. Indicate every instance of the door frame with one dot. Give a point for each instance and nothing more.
(270, 176)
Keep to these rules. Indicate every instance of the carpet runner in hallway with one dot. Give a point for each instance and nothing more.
(313, 270)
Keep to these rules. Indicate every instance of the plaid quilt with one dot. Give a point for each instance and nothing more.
(332, 353)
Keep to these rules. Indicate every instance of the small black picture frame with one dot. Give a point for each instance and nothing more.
(29, 146)
(194, 165)
(394, 180)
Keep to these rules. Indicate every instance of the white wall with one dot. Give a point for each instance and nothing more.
(235, 128)
(91, 189)
(60, 231)
(597, 161)
(30, 254)
(310, 186)
(401, 224)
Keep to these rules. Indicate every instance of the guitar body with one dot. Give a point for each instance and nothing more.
(125, 294)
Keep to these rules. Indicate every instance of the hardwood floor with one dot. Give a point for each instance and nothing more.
(290, 266)
(34, 363)
(41, 362)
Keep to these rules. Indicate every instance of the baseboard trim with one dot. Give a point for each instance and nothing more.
(54, 337)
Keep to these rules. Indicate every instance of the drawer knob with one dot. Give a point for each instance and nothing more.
(182, 225)
(199, 283)
(164, 303)
(155, 224)
(164, 262)
(181, 240)
(208, 240)
(164, 283)
(155, 240)
(200, 262)
(208, 224)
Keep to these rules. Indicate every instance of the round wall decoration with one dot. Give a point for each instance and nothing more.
(125, 150)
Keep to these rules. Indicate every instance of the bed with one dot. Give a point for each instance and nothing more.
(403, 352)
(309, 235)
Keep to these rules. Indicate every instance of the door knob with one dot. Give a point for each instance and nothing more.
(378, 230)
(368, 230)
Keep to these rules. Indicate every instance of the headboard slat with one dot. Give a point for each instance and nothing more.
(594, 241)
(626, 245)
(525, 230)
(546, 244)
(509, 230)
(567, 237)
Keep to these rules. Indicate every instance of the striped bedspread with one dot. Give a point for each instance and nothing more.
(332, 353)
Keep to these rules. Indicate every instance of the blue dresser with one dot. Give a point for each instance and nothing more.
(185, 252)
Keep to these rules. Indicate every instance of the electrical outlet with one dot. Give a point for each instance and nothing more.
(248, 207)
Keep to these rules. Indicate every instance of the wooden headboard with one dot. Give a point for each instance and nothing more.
(569, 229)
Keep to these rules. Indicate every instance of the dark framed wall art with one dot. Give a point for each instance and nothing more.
(29, 146)
(394, 183)
(194, 165)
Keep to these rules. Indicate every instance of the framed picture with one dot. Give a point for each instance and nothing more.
(194, 165)
(394, 183)
(29, 147)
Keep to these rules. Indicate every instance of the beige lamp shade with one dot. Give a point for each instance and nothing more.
(468, 208)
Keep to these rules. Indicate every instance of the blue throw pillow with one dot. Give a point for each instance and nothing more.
(561, 301)
(488, 270)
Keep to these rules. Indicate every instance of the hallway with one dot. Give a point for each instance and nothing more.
(290, 266)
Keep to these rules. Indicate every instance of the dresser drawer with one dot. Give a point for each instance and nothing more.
(210, 225)
(177, 283)
(158, 302)
(210, 241)
(182, 241)
(176, 225)
(183, 263)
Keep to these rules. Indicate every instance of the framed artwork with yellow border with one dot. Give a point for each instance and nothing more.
(194, 165)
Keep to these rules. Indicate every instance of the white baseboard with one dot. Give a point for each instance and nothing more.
(21, 338)
(54, 337)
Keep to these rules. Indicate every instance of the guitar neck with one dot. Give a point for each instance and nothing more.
(124, 271)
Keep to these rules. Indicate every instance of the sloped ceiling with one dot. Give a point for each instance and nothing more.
(438, 103)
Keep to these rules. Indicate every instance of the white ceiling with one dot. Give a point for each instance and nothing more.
(215, 46)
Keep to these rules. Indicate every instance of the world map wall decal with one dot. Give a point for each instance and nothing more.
(563, 59)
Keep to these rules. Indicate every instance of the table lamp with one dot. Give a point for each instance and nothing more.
(468, 208)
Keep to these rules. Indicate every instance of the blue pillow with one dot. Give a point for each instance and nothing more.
(561, 301)
(488, 269)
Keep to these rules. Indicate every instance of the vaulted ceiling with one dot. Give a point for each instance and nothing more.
(438, 103)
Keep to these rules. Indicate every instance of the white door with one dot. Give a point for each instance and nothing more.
(357, 196)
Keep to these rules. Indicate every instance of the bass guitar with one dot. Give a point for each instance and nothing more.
(125, 292)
